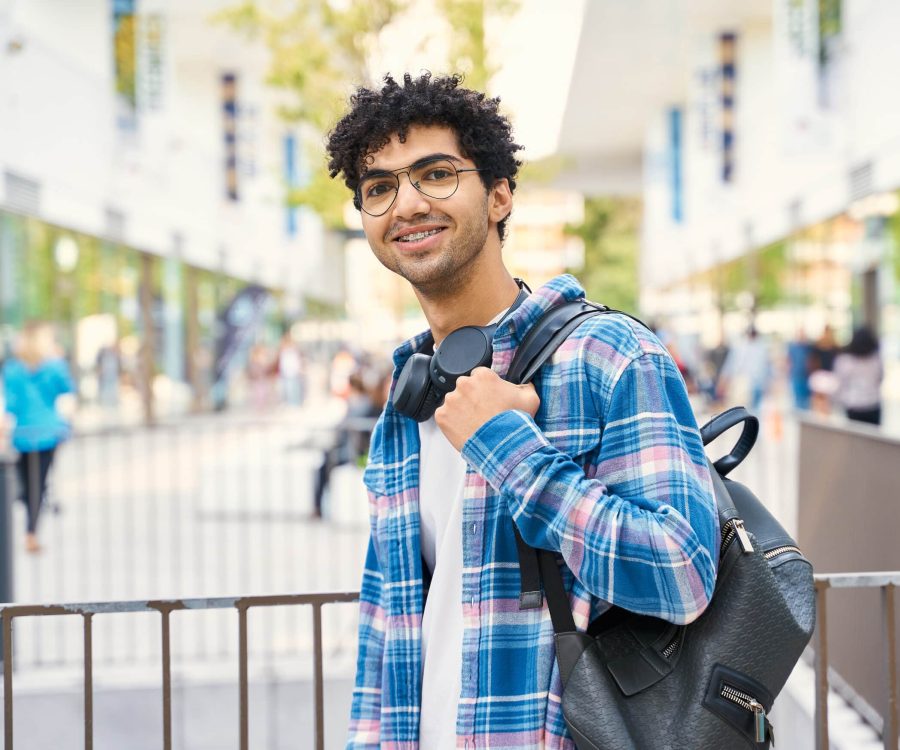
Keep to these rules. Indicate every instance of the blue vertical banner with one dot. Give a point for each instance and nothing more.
(728, 80)
(124, 47)
(676, 164)
(291, 181)
(229, 129)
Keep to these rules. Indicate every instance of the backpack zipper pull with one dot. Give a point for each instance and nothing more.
(742, 535)
(759, 720)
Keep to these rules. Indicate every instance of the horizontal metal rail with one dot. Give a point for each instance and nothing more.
(217, 505)
(887, 582)
(88, 610)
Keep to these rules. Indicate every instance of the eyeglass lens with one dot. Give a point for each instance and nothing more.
(436, 179)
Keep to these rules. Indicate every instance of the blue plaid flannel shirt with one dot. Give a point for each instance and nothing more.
(610, 473)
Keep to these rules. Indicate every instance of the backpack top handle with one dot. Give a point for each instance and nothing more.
(725, 421)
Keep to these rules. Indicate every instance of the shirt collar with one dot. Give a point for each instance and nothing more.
(509, 334)
(557, 291)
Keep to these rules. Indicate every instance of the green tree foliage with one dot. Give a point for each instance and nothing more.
(764, 273)
(319, 51)
(468, 47)
(893, 225)
(610, 235)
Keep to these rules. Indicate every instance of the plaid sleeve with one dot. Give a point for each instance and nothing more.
(639, 529)
(365, 714)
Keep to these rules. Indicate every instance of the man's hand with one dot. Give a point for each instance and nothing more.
(476, 399)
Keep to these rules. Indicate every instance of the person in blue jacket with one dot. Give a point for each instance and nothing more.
(33, 380)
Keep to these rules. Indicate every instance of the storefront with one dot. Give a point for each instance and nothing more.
(139, 330)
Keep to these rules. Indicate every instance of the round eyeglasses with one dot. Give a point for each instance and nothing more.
(436, 178)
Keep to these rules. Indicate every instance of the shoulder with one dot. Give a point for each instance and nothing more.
(13, 369)
(57, 366)
(610, 342)
(601, 351)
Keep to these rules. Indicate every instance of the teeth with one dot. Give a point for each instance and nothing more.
(418, 235)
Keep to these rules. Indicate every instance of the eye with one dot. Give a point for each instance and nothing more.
(438, 174)
(377, 188)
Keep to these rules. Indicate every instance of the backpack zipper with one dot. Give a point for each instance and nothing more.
(749, 703)
(735, 528)
(671, 648)
(773, 553)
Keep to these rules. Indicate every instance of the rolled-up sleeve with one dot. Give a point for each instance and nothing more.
(639, 529)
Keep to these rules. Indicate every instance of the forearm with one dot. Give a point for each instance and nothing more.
(633, 547)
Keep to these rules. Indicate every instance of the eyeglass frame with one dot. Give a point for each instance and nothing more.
(424, 161)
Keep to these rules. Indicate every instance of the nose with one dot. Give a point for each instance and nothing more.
(409, 201)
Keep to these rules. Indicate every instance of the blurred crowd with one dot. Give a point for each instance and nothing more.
(821, 374)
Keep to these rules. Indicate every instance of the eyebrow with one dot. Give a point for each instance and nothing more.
(416, 163)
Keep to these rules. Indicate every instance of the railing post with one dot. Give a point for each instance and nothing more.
(7, 490)
(889, 638)
(821, 664)
(7, 682)
(318, 689)
(7, 493)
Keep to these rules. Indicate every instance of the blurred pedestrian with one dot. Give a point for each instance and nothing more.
(343, 365)
(859, 370)
(290, 371)
(34, 379)
(686, 373)
(353, 433)
(798, 361)
(822, 383)
(710, 370)
(108, 368)
(262, 369)
(747, 370)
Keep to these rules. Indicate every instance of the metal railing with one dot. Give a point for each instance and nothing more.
(87, 611)
(887, 583)
(211, 505)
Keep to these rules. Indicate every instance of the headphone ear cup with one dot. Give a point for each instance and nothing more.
(413, 386)
(433, 399)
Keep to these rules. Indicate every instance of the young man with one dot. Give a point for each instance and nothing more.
(603, 463)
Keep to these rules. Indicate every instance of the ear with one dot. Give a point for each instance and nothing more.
(499, 201)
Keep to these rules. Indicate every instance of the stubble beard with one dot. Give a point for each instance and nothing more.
(440, 273)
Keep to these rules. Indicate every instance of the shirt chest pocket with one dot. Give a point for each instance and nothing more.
(392, 521)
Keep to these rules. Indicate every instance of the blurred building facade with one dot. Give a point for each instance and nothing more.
(144, 172)
(763, 140)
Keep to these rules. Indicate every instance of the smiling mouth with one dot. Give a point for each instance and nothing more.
(416, 236)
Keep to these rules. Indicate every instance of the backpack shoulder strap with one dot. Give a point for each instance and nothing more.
(549, 331)
(539, 344)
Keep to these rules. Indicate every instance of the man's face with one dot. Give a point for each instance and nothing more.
(457, 227)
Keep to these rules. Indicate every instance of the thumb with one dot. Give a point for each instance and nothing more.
(531, 401)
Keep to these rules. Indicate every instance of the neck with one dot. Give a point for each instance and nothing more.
(476, 301)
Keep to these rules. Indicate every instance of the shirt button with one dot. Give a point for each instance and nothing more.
(474, 526)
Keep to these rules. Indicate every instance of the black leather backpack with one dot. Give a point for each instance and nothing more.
(634, 682)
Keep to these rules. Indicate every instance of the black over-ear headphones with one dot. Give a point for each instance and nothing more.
(426, 379)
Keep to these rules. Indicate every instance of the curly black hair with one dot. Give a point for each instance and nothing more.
(484, 135)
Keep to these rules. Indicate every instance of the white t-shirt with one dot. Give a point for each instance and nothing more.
(442, 483)
(442, 478)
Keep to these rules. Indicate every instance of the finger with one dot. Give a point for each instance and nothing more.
(483, 373)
